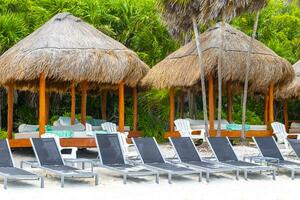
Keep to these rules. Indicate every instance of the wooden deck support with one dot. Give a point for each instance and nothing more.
(10, 109)
(229, 102)
(73, 104)
(135, 108)
(121, 107)
(211, 100)
(172, 108)
(103, 104)
(84, 86)
(285, 114)
(271, 103)
(42, 103)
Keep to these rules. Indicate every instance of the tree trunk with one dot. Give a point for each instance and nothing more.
(248, 63)
(222, 35)
(199, 51)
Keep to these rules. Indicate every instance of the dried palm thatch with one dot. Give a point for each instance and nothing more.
(293, 89)
(177, 13)
(180, 69)
(67, 49)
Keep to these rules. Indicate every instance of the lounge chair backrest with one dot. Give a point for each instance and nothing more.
(47, 152)
(268, 147)
(5, 155)
(295, 144)
(222, 149)
(109, 149)
(185, 149)
(184, 127)
(148, 150)
(280, 132)
(110, 127)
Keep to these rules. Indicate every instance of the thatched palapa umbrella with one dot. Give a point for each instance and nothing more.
(65, 52)
(289, 92)
(180, 69)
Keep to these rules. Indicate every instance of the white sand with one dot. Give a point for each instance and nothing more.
(222, 186)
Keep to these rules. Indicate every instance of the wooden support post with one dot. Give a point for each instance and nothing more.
(47, 102)
(103, 104)
(229, 102)
(42, 103)
(121, 107)
(285, 114)
(271, 103)
(266, 108)
(172, 108)
(135, 108)
(211, 104)
(84, 85)
(10, 109)
(73, 104)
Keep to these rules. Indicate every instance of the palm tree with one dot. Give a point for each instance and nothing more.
(181, 15)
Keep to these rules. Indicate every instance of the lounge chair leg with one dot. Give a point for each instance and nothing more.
(5, 183)
(96, 179)
(21, 164)
(274, 174)
(246, 175)
(42, 182)
(124, 179)
(207, 177)
(200, 177)
(293, 174)
(62, 181)
(157, 178)
(170, 178)
(237, 174)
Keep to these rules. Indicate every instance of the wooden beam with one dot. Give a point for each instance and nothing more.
(121, 107)
(10, 109)
(271, 103)
(266, 108)
(103, 104)
(73, 104)
(47, 104)
(229, 102)
(285, 114)
(135, 107)
(84, 86)
(42, 103)
(211, 100)
(172, 108)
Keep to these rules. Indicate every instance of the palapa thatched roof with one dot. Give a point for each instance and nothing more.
(293, 89)
(181, 69)
(68, 49)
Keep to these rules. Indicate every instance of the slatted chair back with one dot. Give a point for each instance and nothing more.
(109, 127)
(281, 134)
(184, 127)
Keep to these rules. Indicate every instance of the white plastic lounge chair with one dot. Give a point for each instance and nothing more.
(268, 148)
(109, 127)
(151, 157)
(50, 159)
(188, 155)
(66, 152)
(111, 157)
(8, 170)
(225, 154)
(281, 134)
(184, 128)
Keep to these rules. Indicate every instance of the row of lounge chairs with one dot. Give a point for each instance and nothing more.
(152, 162)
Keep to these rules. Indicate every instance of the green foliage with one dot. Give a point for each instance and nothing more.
(3, 134)
(278, 28)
